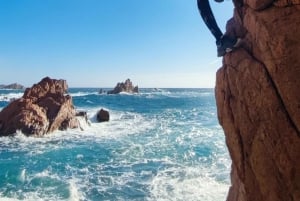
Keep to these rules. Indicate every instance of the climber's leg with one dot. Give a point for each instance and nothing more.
(208, 18)
(224, 43)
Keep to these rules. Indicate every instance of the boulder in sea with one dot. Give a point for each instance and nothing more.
(258, 101)
(126, 86)
(102, 115)
(44, 108)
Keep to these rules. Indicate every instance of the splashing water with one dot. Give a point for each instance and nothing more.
(159, 145)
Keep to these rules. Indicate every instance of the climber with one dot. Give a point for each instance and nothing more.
(224, 43)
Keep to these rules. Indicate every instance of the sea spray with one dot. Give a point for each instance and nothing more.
(75, 195)
(158, 145)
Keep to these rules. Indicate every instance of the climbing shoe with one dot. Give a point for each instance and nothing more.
(226, 44)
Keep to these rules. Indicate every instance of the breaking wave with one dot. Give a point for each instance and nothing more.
(157, 146)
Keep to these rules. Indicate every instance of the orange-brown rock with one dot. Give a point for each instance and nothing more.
(126, 87)
(44, 108)
(258, 101)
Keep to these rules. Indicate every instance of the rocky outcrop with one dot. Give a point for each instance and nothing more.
(258, 101)
(102, 115)
(126, 86)
(44, 108)
(12, 86)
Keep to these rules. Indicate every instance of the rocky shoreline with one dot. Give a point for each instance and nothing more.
(43, 108)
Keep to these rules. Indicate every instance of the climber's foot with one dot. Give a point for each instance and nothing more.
(226, 44)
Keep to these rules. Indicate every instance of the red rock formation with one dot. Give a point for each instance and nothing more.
(258, 100)
(43, 108)
(127, 87)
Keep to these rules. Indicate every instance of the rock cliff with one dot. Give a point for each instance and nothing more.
(44, 107)
(258, 101)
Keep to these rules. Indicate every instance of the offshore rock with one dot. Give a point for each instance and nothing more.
(126, 86)
(258, 101)
(102, 115)
(44, 108)
(12, 86)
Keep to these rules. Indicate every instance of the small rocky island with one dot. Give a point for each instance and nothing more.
(12, 86)
(126, 87)
(44, 108)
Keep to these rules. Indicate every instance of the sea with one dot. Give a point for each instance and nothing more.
(159, 145)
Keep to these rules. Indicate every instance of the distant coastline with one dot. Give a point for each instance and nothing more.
(12, 86)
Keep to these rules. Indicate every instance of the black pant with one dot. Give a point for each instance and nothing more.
(209, 19)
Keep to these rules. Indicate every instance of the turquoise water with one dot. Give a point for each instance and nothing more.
(163, 144)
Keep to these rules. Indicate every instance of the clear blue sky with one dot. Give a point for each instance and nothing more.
(97, 43)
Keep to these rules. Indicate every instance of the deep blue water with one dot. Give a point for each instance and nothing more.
(163, 144)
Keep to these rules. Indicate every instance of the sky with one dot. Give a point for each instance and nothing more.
(97, 43)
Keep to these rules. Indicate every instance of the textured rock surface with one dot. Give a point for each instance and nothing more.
(258, 100)
(127, 87)
(102, 115)
(43, 108)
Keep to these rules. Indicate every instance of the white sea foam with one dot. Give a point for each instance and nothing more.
(177, 94)
(42, 192)
(22, 176)
(7, 199)
(155, 94)
(29, 196)
(10, 96)
(77, 94)
(75, 195)
(37, 195)
(126, 93)
(14, 95)
(120, 123)
(187, 183)
(44, 173)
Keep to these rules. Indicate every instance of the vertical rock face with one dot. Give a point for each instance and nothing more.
(44, 107)
(258, 100)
